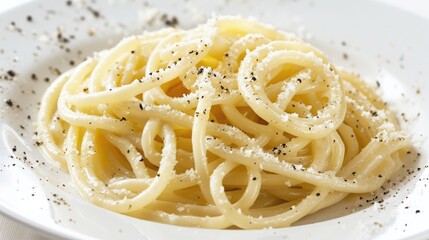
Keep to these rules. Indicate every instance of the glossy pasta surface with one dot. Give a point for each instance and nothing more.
(232, 124)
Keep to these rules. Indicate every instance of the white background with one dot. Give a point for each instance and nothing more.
(10, 229)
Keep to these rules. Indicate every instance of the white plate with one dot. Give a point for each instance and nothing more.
(385, 45)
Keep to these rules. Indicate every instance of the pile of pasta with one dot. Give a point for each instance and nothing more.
(232, 124)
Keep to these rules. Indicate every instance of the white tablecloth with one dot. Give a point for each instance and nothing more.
(9, 229)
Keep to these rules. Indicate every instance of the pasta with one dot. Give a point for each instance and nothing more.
(232, 124)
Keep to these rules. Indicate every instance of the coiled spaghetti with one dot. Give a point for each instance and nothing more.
(232, 123)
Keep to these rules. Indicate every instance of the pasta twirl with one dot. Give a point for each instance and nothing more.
(230, 124)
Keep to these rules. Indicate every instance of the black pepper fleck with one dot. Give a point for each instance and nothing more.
(11, 73)
(94, 12)
(9, 102)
